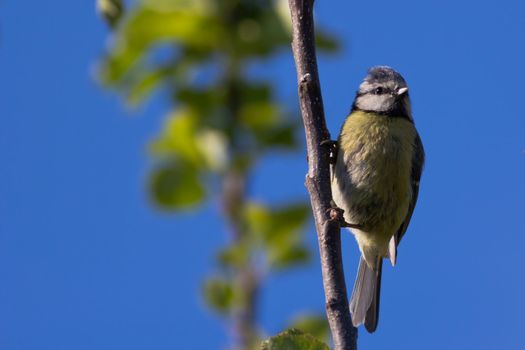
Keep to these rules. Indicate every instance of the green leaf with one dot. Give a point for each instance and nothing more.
(236, 255)
(294, 339)
(213, 145)
(178, 137)
(255, 92)
(279, 232)
(288, 219)
(219, 294)
(316, 325)
(111, 11)
(144, 85)
(281, 136)
(259, 30)
(326, 42)
(260, 115)
(176, 186)
(258, 218)
(193, 29)
(286, 255)
(276, 224)
(186, 136)
(186, 26)
(203, 99)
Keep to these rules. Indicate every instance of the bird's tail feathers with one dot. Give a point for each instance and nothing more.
(364, 303)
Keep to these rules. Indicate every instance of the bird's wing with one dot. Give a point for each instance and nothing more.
(418, 161)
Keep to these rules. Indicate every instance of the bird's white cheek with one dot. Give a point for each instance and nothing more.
(368, 103)
(374, 102)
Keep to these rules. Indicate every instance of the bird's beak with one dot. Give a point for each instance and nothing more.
(402, 91)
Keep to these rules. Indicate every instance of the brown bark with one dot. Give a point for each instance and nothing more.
(327, 219)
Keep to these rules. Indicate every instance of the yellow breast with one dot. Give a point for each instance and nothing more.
(372, 173)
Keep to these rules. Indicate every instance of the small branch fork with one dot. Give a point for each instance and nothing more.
(328, 220)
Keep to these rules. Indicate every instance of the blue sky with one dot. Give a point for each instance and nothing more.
(87, 263)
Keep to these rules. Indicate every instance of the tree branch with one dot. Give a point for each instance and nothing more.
(327, 220)
(247, 282)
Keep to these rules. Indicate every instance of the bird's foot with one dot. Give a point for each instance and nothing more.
(336, 213)
(332, 148)
(349, 225)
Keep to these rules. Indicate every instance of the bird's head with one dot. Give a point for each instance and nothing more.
(384, 91)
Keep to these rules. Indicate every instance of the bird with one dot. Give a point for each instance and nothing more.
(375, 180)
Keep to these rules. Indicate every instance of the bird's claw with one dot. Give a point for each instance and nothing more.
(336, 213)
(349, 225)
(332, 147)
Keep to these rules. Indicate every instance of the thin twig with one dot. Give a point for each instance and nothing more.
(327, 220)
(234, 197)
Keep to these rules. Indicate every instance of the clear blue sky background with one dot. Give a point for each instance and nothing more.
(87, 263)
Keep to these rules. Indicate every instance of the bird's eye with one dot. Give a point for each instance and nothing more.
(378, 90)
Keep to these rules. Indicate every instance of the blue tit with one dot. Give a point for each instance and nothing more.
(375, 180)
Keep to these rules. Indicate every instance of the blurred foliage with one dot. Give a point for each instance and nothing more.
(294, 339)
(278, 230)
(176, 185)
(275, 232)
(111, 11)
(219, 294)
(223, 120)
(314, 324)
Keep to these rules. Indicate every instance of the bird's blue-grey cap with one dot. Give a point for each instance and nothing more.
(382, 74)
